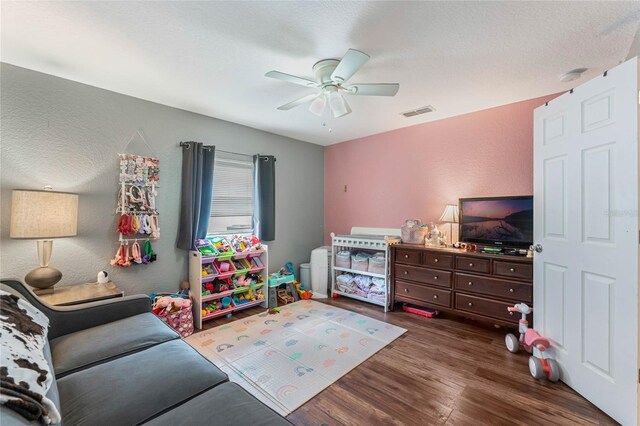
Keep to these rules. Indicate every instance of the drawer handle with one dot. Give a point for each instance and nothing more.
(406, 256)
(510, 290)
(511, 313)
(471, 265)
(470, 304)
(406, 272)
(435, 296)
(435, 278)
(406, 290)
(512, 269)
(469, 283)
(436, 260)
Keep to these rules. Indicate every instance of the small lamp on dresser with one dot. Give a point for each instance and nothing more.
(450, 216)
(43, 215)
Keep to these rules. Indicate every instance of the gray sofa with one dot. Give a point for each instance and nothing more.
(115, 363)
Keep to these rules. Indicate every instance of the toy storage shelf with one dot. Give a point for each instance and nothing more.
(196, 260)
(368, 243)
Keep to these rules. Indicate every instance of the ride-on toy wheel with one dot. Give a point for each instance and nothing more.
(512, 342)
(535, 367)
(554, 370)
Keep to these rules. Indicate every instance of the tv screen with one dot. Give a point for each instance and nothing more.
(503, 221)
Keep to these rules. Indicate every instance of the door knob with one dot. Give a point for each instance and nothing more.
(537, 248)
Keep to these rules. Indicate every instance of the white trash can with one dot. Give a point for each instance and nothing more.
(320, 260)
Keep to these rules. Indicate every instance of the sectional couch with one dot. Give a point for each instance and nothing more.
(115, 363)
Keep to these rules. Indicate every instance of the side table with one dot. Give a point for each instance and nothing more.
(79, 293)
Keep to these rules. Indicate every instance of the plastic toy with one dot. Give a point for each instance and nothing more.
(304, 294)
(226, 301)
(185, 289)
(284, 296)
(428, 313)
(540, 367)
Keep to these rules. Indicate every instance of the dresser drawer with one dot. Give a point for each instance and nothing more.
(493, 287)
(513, 269)
(423, 275)
(423, 293)
(408, 256)
(473, 264)
(483, 306)
(437, 260)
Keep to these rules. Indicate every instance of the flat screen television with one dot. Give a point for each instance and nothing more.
(500, 221)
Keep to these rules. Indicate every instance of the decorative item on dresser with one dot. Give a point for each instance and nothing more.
(475, 285)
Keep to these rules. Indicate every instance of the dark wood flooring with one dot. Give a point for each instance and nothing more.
(444, 370)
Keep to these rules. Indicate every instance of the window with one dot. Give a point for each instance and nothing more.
(232, 202)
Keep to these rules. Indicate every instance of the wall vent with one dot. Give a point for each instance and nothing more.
(418, 111)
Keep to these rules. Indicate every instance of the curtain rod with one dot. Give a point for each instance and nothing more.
(229, 152)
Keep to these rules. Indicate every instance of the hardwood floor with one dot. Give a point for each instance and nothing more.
(444, 370)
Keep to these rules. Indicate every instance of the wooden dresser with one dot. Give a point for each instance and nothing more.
(476, 285)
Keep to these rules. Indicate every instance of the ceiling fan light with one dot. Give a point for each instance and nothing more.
(339, 106)
(318, 105)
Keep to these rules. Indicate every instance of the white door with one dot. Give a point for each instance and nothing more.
(586, 222)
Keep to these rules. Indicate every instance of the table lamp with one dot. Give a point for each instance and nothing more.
(450, 216)
(43, 215)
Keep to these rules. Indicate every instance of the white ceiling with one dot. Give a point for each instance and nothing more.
(210, 57)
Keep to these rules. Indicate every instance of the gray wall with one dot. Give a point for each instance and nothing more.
(66, 134)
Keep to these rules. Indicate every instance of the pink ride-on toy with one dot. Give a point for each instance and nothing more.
(540, 367)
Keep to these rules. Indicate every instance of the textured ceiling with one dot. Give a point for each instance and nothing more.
(210, 57)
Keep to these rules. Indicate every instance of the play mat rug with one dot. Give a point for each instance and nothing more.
(285, 359)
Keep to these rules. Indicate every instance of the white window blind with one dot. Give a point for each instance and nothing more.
(232, 201)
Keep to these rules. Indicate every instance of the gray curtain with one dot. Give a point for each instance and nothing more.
(196, 192)
(264, 206)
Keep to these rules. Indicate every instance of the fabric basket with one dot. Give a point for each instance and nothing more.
(377, 264)
(343, 259)
(412, 233)
(360, 262)
(182, 320)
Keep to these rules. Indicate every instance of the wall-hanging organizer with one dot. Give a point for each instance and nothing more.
(138, 223)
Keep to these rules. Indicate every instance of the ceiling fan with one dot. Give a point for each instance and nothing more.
(330, 75)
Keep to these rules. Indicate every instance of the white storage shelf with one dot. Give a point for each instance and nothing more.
(196, 260)
(360, 243)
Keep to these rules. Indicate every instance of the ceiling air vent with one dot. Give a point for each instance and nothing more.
(418, 111)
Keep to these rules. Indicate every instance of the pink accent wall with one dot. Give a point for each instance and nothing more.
(412, 173)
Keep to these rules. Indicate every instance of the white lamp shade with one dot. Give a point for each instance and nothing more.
(338, 104)
(43, 214)
(450, 214)
(318, 105)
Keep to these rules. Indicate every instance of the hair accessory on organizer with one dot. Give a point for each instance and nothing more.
(149, 253)
(127, 257)
(135, 252)
(135, 224)
(155, 229)
(136, 194)
(151, 197)
(145, 225)
(122, 224)
(118, 256)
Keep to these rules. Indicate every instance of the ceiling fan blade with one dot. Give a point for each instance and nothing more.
(318, 105)
(297, 102)
(374, 89)
(350, 63)
(291, 79)
(338, 104)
